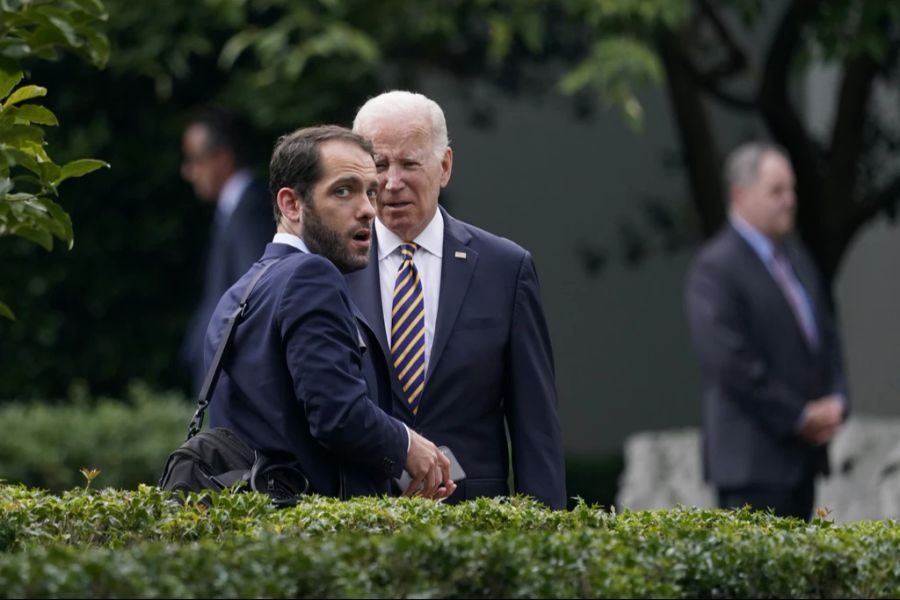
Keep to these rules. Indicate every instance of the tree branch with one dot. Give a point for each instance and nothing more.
(709, 82)
(737, 58)
(697, 141)
(846, 148)
(781, 117)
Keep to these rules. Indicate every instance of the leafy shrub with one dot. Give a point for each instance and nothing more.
(140, 544)
(127, 441)
(45, 445)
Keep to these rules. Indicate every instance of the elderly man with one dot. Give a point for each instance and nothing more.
(774, 389)
(458, 312)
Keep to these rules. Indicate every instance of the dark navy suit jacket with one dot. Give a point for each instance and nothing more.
(491, 362)
(233, 246)
(758, 370)
(302, 376)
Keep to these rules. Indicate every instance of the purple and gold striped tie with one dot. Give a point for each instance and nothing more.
(408, 328)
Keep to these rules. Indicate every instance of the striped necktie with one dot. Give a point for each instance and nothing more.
(408, 328)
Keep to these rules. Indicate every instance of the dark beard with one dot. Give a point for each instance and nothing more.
(326, 242)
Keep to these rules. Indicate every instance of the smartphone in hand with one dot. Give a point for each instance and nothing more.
(456, 471)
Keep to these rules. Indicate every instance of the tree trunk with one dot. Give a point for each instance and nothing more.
(699, 147)
(837, 227)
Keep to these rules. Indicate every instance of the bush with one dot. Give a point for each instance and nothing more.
(127, 441)
(140, 544)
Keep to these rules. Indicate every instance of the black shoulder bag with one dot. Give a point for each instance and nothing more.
(218, 459)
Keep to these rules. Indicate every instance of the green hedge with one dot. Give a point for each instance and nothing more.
(140, 544)
(44, 445)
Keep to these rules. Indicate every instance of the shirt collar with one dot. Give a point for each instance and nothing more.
(232, 191)
(291, 240)
(763, 246)
(431, 238)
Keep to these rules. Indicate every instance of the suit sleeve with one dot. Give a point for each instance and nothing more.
(729, 357)
(530, 397)
(323, 354)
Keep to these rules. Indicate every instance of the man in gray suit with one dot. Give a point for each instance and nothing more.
(761, 323)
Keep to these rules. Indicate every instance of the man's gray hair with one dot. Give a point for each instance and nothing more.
(742, 164)
(405, 104)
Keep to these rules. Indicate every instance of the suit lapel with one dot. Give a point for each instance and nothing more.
(366, 288)
(457, 267)
(765, 282)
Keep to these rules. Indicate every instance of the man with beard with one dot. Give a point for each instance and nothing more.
(304, 379)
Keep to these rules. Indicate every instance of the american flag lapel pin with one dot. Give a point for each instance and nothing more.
(459, 254)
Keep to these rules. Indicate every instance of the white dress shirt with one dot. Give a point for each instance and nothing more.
(291, 240)
(428, 262)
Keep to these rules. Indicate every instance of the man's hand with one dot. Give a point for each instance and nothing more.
(429, 469)
(822, 417)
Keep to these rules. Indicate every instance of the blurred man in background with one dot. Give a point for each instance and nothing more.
(215, 162)
(761, 323)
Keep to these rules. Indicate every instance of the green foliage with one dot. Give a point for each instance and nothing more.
(45, 445)
(140, 544)
(114, 308)
(28, 176)
(845, 28)
(127, 441)
(617, 65)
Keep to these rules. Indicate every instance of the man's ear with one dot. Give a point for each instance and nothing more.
(289, 204)
(446, 166)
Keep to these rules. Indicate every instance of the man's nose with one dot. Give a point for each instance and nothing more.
(366, 208)
(393, 179)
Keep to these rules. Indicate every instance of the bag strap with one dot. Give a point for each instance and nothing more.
(212, 375)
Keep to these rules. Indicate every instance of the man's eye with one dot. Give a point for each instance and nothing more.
(342, 192)
(380, 167)
(372, 194)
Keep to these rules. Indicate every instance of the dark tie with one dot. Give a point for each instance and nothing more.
(408, 328)
(787, 281)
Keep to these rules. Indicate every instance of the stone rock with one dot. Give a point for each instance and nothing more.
(662, 470)
(865, 478)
